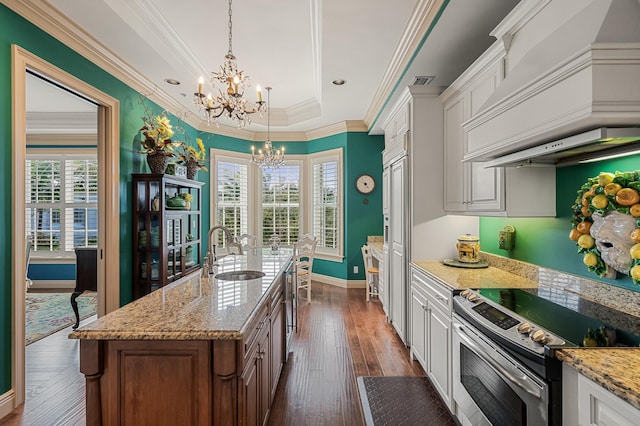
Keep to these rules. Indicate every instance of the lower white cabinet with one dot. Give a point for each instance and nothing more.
(419, 324)
(431, 332)
(439, 353)
(587, 403)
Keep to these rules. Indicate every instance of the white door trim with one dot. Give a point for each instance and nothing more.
(108, 198)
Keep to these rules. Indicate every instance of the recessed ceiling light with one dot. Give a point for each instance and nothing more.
(172, 81)
(339, 82)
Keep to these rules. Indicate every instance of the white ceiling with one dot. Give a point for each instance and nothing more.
(296, 47)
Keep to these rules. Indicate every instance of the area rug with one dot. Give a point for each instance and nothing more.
(47, 313)
(402, 400)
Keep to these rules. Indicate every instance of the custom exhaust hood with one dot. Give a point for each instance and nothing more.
(571, 85)
(581, 148)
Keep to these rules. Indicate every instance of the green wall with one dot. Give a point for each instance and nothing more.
(545, 241)
(362, 153)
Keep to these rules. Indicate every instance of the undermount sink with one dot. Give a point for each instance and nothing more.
(239, 275)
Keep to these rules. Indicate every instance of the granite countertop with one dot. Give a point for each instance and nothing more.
(194, 308)
(461, 278)
(615, 369)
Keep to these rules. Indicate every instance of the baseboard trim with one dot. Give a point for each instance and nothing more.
(7, 403)
(53, 284)
(338, 282)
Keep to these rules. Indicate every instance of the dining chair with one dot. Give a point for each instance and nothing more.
(303, 253)
(372, 273)
(248, 241)
(28, 249)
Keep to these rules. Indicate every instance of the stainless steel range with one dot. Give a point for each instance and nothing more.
(504, 370)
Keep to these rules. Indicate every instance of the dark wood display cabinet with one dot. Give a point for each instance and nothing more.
(167, 230)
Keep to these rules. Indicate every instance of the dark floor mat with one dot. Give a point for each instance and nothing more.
(392, 400)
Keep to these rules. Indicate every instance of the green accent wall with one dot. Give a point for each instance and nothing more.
(362, 154)
(545, 241)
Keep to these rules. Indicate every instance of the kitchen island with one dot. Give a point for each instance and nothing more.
(198, 351)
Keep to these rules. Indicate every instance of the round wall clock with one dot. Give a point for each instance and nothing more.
(365, 184)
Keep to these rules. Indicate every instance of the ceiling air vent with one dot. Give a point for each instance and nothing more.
(422, 80)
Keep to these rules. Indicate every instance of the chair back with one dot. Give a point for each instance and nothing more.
(304, 251)
(248, 241)
(366, 257)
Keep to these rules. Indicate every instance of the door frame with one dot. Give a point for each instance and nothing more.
(108, 198)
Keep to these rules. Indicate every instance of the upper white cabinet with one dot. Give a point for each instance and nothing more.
(469, 187)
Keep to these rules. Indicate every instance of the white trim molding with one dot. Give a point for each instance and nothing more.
(7, 403)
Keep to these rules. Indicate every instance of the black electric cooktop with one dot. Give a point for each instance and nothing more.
(566, 314)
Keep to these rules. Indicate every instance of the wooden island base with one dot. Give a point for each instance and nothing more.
(222, 381)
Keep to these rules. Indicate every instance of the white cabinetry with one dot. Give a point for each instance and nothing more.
(431, 331)
(386, 182)
(385, 279)
(587, 403)
(398, 246)
(417, 223)
(470, 188)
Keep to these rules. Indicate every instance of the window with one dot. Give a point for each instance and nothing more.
(264, 202)
(232, 199)
(62, 202)
(327, 203)
(281, 203)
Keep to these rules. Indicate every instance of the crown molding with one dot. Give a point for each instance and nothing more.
(44, 16)
(62, 140)
(422, 18)
(62, 123)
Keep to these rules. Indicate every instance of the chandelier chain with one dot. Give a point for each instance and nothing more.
(230, 30)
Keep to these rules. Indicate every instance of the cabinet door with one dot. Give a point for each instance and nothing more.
(385, 191)
(398, 247)
(598, 406)
(384, 274)
(486, 188)
(277, 346)
(419, 327)
(439, 352)
(264, 371)
(455, 171)
(250, 394)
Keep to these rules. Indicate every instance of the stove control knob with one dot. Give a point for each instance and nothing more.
(465, 293)
(472, 297)
(524, 328)
(538, 336)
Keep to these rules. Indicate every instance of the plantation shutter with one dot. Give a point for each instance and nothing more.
(281, 203)
(232, 198)
(62, 202)
(325, 202)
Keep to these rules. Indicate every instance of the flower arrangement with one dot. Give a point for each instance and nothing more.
(613, 246)
(194, 157)
(157, 133)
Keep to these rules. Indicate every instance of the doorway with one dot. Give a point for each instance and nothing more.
(108, 279)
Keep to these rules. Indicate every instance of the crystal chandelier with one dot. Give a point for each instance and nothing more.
(229, 101)
(267, 156)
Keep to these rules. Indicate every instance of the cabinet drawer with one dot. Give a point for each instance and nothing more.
(250, 339)
(440, 295)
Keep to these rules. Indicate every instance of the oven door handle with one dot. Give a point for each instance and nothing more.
(522, 382)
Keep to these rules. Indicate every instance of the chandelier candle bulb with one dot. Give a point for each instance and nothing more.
(200, 85)
(259, 90)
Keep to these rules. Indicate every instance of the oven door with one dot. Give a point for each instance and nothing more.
(490, 386)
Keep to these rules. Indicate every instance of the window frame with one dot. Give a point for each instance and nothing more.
(331, 254)
(61, 154)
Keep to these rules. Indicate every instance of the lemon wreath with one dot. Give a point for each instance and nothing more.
(602, 194)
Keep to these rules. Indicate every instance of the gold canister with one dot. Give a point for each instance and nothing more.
(468, 248)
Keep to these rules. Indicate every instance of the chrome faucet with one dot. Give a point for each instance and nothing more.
(211, 259)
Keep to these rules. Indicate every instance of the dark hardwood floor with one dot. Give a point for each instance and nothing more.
(341, 337)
